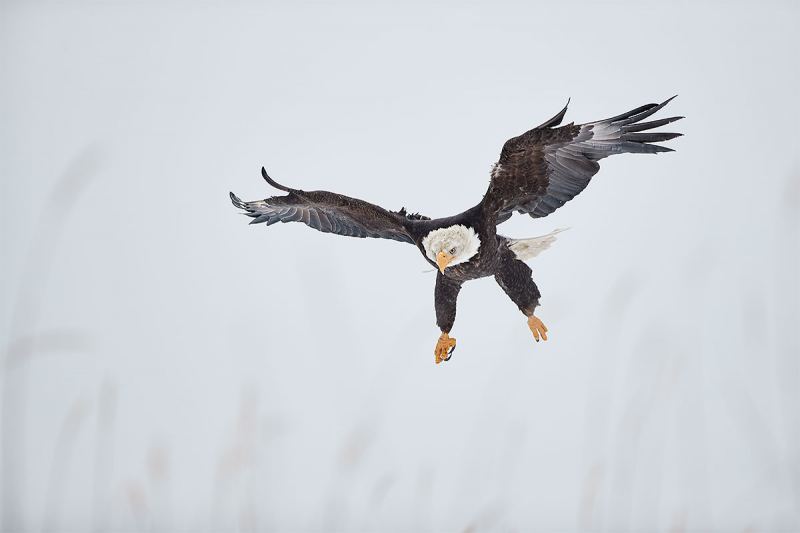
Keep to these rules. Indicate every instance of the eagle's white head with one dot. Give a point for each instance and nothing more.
(451, 246)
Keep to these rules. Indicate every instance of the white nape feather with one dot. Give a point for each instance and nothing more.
(526, 249)
(463, 239)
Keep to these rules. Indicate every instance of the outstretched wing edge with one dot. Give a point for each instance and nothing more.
(327, 212)
(568, 164)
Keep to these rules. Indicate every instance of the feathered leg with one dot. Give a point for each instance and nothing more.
(514, 277)
(445, 295)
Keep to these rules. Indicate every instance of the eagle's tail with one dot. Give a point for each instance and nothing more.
(526, 249)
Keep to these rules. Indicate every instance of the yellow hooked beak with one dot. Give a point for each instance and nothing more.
(443, 259)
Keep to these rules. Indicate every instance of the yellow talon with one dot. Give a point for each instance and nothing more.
(537, 328)
(443, 346)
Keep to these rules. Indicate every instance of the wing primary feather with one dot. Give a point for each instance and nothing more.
(628, 114)
(643, 148)
(260, 219)
(650, 137)
(237, 202)
(556, 120)
(644, 114)
(641, 126)
(272, 181)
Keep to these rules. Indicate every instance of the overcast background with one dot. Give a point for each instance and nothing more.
(168, 368)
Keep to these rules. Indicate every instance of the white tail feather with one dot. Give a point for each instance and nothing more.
(526, 249)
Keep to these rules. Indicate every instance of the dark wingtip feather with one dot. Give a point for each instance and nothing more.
(650, 137)
(258, 219)
(634, 147)
(556, 120)
(656, 148)
(641, 126)
(272, 181)
(629, 114)
(237, 201)
(651, 109)
(641, 112)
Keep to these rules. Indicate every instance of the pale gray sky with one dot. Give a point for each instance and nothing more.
(168, 367)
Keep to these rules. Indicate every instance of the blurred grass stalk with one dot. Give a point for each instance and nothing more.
(23, 335)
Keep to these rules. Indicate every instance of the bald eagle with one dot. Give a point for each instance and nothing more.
(538, 172)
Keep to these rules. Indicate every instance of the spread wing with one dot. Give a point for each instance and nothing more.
(544, 168)
(329, 212)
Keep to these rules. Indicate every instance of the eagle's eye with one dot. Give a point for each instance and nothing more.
(452, 251)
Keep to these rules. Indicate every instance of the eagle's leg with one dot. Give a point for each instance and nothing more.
(514, 277)
(445, 295)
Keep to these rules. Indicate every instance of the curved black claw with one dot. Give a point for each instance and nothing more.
(449, 354)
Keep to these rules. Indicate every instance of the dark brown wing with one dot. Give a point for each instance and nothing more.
(544, 168)
(329, 212)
